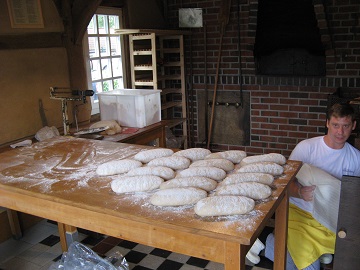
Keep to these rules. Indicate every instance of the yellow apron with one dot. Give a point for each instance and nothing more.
(307, 238)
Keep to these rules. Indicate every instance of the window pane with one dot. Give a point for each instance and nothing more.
(92, 29)
(93, 47)
(107, 86)
(102, 24)
(113, 23)
(118, 84)
(97, 88)
(95, 70)
(115, 45)
(117, 67)
(104, 46)
(106, 68)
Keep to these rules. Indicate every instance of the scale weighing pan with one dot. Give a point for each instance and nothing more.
(91, 130)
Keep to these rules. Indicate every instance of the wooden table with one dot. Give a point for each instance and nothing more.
(56, 180)
(142, 136)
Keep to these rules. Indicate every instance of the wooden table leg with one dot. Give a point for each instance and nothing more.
(68, 234)
(14, 223)
(162, 137)
(281, 224)
(235, 256)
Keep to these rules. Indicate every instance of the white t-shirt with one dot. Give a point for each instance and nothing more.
(337, 162)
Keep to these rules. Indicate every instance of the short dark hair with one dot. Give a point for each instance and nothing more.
(341, 110)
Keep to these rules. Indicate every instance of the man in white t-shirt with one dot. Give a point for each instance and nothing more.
(334, 155)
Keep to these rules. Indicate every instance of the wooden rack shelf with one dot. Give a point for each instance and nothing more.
(157, 62)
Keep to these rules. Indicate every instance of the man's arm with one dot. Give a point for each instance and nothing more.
(303, 192)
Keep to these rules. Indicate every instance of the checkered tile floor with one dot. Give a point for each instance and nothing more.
(142, 257)
(41, 248)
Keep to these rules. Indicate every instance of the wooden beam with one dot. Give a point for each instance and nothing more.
(82, 12)
(31, 40)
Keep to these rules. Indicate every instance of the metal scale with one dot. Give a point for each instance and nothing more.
(66, 94)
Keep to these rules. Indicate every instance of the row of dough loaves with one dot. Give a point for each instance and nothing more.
(222, 183)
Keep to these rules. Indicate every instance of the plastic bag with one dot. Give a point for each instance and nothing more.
(81, 257)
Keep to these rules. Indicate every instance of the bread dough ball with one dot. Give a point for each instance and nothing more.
(253, 190)
(173, 162)
(263, 167)
(235, 178)
(113, 125)
(201, 182)
(210, 172)
(161, 171)
(271, 157)
(117, 166)
(224, 205)
(221, 163)
(177, 196)
(140, 183)
(148, 155)
(193, 153)
(235, 156)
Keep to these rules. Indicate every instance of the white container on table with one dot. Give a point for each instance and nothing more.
(131, 107)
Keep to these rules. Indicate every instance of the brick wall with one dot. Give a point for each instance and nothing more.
(284, 110)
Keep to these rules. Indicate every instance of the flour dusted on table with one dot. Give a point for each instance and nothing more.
(253, 190)
(271, 157)
(138, 183)
(263, 167)
(173, 162)
(177, 196)
(201, 182)
(117, 166)
(193, 153)
(210, 172)
(148, 155)
(235, 156)
(235, 178)
(221, 163)
(224, 205)
(161, 171)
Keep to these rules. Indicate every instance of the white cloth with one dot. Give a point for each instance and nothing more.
(46, 133)
(326, 195)
(336, 162)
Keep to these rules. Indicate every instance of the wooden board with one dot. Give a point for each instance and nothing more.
(347, 248)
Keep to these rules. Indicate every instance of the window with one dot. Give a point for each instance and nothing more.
(104, 50)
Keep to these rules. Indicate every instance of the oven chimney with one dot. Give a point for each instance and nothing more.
(288, 41)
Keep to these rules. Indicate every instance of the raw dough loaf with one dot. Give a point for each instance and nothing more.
(140, 183)
(263, 167)
(271, 157)
(193, 153)
(224, 205)
(173, 162)
(148, 155)
(221, 163)
(114, 126)
(235, 156)
(117, 166)
(201, 182)
(235, 178)
(253, 190)
(177, 196)
(161, 171)
(210, 172)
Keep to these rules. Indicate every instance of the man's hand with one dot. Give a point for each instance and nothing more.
(306, 192)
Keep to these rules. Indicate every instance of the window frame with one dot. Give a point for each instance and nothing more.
(109, 12)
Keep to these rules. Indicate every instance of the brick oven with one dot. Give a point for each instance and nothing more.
(283, 109)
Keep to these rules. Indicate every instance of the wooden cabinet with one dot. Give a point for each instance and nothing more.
(157, 62)
(348, 235)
